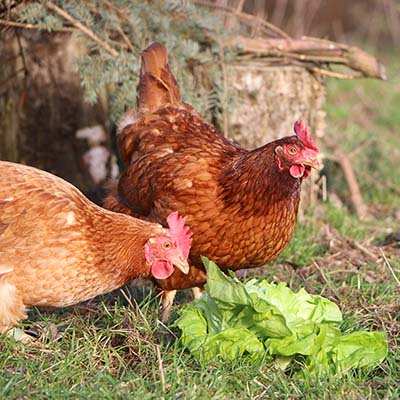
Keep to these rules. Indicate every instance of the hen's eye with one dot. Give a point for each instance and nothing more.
(167, 245)
(292, 150)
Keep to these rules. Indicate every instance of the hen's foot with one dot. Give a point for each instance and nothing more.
(20, 336)
(197, 292)
(167, 301)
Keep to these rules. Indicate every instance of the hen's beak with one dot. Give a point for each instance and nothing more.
(181, 263)
(312, 162)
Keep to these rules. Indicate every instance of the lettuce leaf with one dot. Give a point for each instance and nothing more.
(234, 319)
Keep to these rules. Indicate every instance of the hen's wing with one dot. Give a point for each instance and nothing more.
(29, 192)
(40, 216)
(174, 162)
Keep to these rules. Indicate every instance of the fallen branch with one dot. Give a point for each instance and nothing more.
(314, 50)
(312, 53)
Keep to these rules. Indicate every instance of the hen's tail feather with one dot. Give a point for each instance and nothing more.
(157, 85)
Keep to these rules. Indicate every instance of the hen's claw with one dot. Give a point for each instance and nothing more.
(197, 292)
(20, 336)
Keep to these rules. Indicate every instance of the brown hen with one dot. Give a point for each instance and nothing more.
(57, 248)
(241, 205)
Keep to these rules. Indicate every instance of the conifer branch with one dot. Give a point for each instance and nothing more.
(82, 28)
(125, 39)
(14, 24)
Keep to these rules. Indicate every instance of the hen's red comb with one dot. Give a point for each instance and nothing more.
(303, 133)
(180, 232)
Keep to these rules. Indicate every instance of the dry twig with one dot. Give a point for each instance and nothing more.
(363, 249)
(389, 266)
(355, 193)
(326, 280)
(126, 39)
(333, 74)
(13, 24)
(161, 368)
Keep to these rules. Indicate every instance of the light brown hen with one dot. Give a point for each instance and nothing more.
(57, 248)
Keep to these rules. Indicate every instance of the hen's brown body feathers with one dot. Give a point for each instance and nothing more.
(57, 248)
(241, 209)
(239, 215)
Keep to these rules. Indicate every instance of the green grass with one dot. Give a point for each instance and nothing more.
(109, 350)
(345, 223)
(304, 246)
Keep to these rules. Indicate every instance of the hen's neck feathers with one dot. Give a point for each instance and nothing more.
(121, 240)
(256, 173)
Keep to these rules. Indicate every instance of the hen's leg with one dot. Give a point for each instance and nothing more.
(197, 292)
(167, 301)
(12, 308)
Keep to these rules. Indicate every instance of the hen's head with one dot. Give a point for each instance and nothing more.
(297, 154)
(163, 252)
